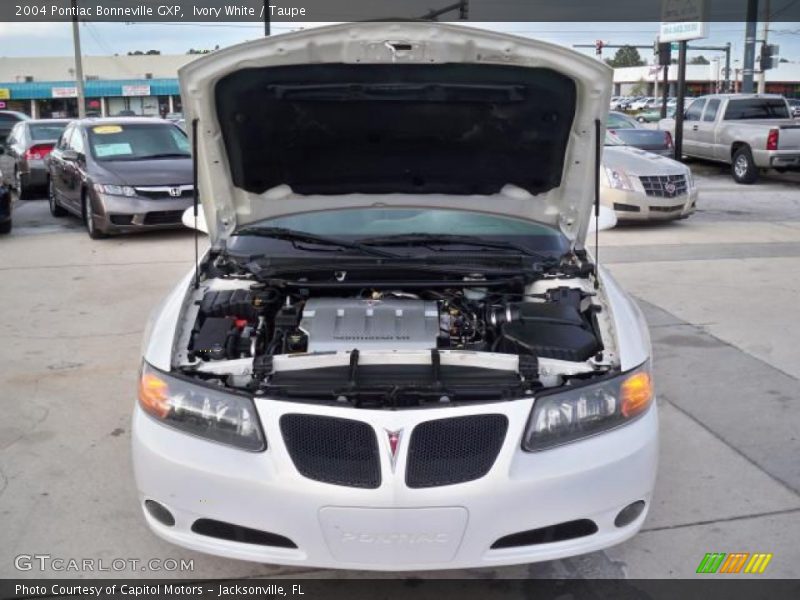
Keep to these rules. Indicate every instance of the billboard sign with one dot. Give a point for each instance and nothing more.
(683, 20)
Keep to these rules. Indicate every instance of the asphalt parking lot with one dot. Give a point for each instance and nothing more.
(720, 291)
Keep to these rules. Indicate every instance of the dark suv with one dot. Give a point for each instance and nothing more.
(121, 175)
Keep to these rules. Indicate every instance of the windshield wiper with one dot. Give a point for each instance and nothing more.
(426, 239)
(282, 233)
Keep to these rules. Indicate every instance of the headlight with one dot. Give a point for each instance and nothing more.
(618, 179)
(217, 415)
(586, 410)
(114, 190)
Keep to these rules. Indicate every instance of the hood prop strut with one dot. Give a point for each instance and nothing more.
(195, 197)
(597, 165)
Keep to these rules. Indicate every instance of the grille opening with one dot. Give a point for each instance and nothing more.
(159, 512)
(626, 207)
(568, 530)
(667, 209)
(235, 533)
(163, 217)
(333, 450)
(121, 219)
(454, 450)
(663, 186)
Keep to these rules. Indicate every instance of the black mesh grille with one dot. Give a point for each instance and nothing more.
(448, 451)
(164, 217)
(339, 451)
(664, 186)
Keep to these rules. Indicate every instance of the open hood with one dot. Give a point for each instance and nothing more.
(396, 114)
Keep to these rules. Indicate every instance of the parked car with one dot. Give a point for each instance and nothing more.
(794, 105)
(6, 206)
(121, 175)
(642, 186)
(174, 117)
(653, 115)
(9, 118)
(24, 155)
(750, 132)
(640, 103)
(626, 130)
(351, 382)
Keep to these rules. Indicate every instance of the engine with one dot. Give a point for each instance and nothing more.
(248, 323)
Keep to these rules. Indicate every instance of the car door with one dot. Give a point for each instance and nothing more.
(691, 119)
(57, 166)
(703, 130)
(73, 169)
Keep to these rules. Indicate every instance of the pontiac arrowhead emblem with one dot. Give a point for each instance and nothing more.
(394, 444)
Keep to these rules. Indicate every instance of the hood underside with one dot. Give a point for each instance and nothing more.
(404, 114)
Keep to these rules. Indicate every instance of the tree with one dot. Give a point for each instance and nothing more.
(627, 56)
(699, 60)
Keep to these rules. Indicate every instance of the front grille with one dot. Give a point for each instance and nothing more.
(163, 192)
(664, 186)
(163, 217)
(333, 450)
(667, 209)
(454, 450)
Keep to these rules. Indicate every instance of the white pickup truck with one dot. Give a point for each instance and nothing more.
(750, 132)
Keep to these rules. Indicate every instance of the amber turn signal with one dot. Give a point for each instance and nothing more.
(636, 393)
(154, 394)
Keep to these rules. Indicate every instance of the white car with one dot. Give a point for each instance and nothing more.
(398, 353)
(643, 186)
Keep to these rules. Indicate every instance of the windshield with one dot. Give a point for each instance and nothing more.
(46, 131)
(138, 141)
(363, 223)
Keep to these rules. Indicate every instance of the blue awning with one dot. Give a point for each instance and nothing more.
(94, 88)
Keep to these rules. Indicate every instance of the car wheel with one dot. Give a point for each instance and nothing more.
(23, 193)
(641, 119)
(88, 220)
(743, 168)
(5, 227)
(55, 209)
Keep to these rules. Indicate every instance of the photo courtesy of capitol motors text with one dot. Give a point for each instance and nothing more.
(182, 590)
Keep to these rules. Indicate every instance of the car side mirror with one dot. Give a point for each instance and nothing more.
(69, 155)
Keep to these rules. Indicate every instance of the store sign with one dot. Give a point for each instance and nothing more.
(135, 90)
(64, 92)
(683, 20)
(5, 94)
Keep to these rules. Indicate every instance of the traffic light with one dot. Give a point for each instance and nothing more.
(598, 47)
(664, 52)
(769, 56)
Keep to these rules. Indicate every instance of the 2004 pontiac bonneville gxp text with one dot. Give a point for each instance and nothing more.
(398, 353)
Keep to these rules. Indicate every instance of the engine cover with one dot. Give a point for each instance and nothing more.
(334, 324)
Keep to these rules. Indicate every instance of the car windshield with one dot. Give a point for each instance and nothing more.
(616, 121)
(46, 131)
(139, 141)
(384, 223)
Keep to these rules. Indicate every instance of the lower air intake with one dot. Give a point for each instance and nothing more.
(455, 450)
(333, 450)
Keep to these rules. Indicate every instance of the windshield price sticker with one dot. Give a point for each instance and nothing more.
(107, 129)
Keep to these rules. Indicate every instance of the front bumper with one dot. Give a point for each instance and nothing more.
(394, 527)
(5, 204)
(120, 214)
(637, 206)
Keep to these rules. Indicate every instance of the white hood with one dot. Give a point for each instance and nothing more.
(529, 152)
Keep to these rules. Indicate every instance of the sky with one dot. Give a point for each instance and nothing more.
(55, 39)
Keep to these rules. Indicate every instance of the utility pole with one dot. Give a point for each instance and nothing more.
(728, 68)
(748, 66)
(679, 107)
(762, 73)
(266, 18)
(76, 43)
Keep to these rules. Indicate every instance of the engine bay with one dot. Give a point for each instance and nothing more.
(404, 341)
